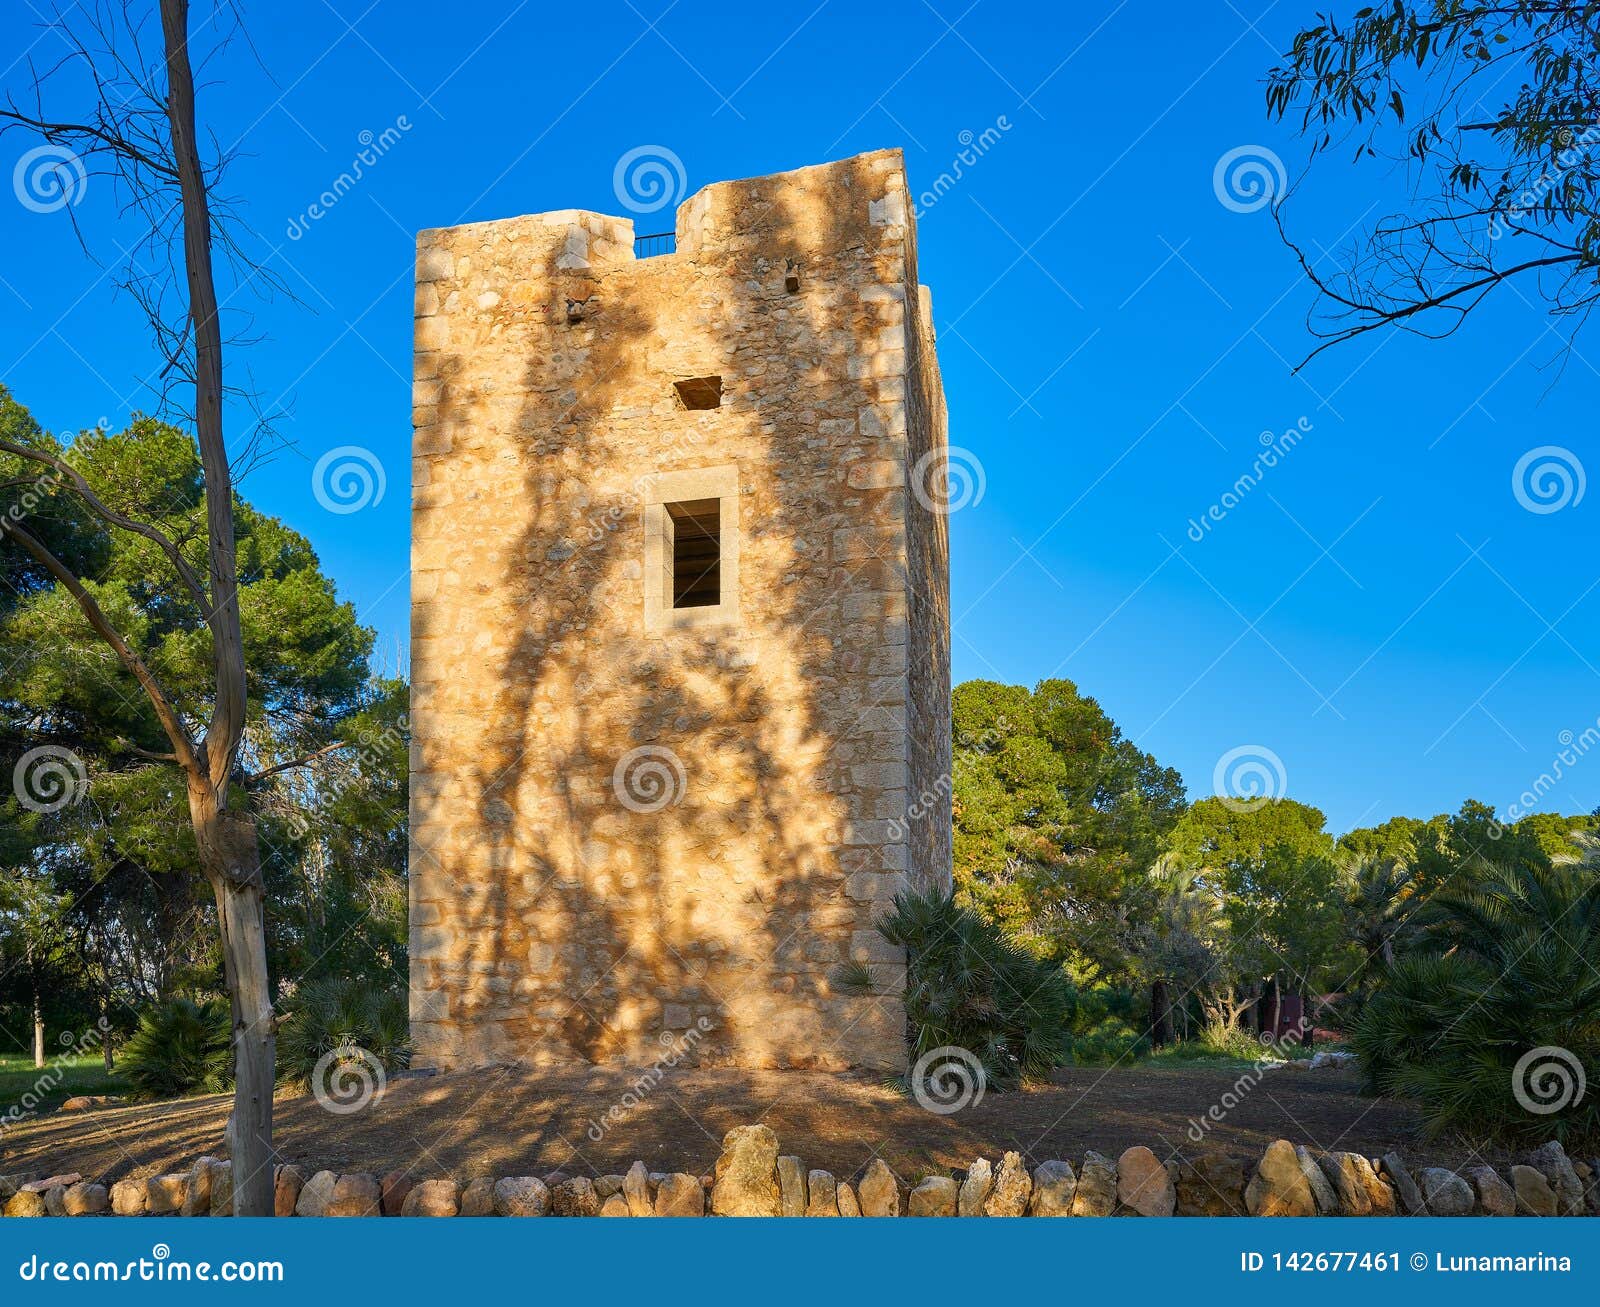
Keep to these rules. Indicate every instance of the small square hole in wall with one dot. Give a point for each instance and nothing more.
(700, 392)
(696, 552)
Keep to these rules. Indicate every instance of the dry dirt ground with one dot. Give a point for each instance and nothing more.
(518, 1122)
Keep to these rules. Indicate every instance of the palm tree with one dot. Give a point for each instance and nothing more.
(1492, 1020)
(1184, 921)
(1378, 909)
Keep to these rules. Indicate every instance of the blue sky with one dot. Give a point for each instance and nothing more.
(1380, 612)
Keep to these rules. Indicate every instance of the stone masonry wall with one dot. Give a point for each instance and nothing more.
(928, 816)
(629, 828)
(751, 1178)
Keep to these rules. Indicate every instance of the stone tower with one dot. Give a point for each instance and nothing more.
(680, 629)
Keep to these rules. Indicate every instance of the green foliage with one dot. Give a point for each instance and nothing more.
(138, 922)
(23, 1085)
(1105, 1026)
(336, 835)
(1271, 863)
(326, 1016)
(1395, 841)
(1378, 909)
(1219, 1039)
(969, 987)
(855, 978)
(1507, 963)
(1555, 835)
(182, 1046)
(1492, 113)
(1057, 818)
(1179, 936)
(1224, 833)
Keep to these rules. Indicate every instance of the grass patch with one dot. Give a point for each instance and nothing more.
(1234, 1050)
(23, 1086)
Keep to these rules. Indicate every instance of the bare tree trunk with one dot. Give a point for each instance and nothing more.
(1160, 1015)
(229, 854)
(105, 1032)
(38, 1012)
(228, 849)
(231, 858)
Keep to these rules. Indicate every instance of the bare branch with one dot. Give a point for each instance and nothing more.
(303, 761)
(186, 573)
(160, 700)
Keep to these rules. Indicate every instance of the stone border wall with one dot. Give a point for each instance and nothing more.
(751, 1178)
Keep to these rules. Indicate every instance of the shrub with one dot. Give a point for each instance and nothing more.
(1219, 1039)
(1107, 1041)
(967, 986)
(1508, 970)
(1102, 1027)
(326, 1015)
(182, 1046)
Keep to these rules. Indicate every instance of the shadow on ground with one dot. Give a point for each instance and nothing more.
(512, 1122)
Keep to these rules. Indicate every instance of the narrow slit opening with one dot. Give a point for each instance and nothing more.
(696, 552)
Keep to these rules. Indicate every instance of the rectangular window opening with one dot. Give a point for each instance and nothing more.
(696, 552)
(700, 392)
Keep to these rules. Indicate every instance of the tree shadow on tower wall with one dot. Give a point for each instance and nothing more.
(635, 843)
